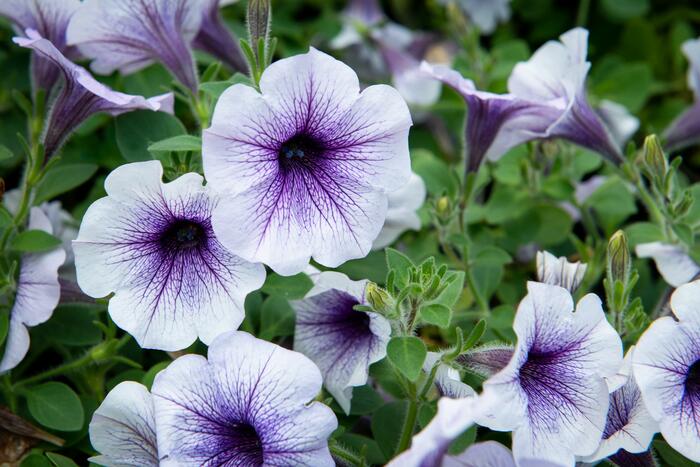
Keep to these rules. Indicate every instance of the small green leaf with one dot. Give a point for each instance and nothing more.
(4, 327)
(400, 263)
(671, 456)
(36, 460)
(365, 400)
(60, 461)
(72, 325)
(407, 354)
(437, 314)
(34, 241)
(179, 143)
(289, 287)
(136, 131)
(56, 406)
(150, 375)
(386, 426)
(449, 296)
(476, 333)
(216, 88)
(276, 318)
(5, 153)
(63, 178)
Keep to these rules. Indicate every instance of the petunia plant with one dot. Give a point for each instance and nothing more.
(303, 233)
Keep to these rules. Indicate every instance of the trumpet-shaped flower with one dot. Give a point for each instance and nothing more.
(153, 246)
(401, 214)
(249, 403)
(685, 130)
(673, 263)
(305, 166)
(128, 35)
(36, 296)
(340, 340)
(123, 428)
(50, 18)
(81, 95)
(216, 39)
(666, 366)
(559, 271)
(553, 394)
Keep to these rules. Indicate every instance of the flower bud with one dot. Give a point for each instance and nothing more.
(442, 207)
(258, 17)
(379, 298)
(619, 262)
(654, 157)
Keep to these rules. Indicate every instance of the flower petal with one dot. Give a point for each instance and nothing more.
(673, 263)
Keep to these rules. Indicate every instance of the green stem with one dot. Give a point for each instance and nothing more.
(408, 426)
(59, 370)
(429, 382)
(7, 392)
(344, 455)
(582, 14)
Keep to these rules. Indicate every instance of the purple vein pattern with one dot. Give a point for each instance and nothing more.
(216, 39)
(152, 244)
(38, 292)
(81, 96)
(667, 369)
(553, 394)
(248, 405)
(343, 342)
(50, 18)
(128, 35)
(123, 428)
(305, 166)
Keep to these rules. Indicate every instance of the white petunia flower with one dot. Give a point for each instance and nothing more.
(559, 271)
(673, 263)
(401, 214)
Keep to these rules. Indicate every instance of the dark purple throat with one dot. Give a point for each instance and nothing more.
(183, 234)
(301, 150)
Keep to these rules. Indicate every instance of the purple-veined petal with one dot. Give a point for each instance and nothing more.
(447, 379)
(128, 35)
(216, 39)
(123, 428)
(673, 263)
(152, 244)
(485, 454)
(248, 404)
(401, 213)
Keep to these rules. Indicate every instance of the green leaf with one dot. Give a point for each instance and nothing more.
(179, 143)
(437, 314)
(407, 354)
(365, 400)
(290, 287)
(276, 318)
(56, 406)
(36, 460)
(476, 333)
(629, 84)
(463, 441)
(386, 426)
(72, 325)
(373, 454)
(643, 232)
(63, 178)
(400, 263)
(671, 456)
(60, 461)
(216, 88)
(5, 153)
(452, 292)
(150, 375)
(34, 241)
(136, 131)
(4, 328)
(623, 10)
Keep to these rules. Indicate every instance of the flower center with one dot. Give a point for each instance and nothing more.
(244, 442)
(692, 380)
(300, 149)
(183, 234)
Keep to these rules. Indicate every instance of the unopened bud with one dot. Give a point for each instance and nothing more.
(258, 17)
(379, 298)
(619, 262)
(684, 205)
(443, 206)
(654, 157)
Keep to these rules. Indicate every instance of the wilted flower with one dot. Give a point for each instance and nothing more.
(50, 19)
(447, 379)
(553, 394)
(36, 296)
(673, 263)
(559, 271)
(152, 244)
(216, 39)
(340, 340)
(305, 166)
(81, 95)
(685, 130)
(666, 366)
(248, 404)
(401, 214)
(123, 428)
(629, 427)
(128, 35)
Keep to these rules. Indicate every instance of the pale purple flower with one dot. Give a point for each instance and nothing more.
(36, 296)
(81, 96)
(305, 165)
(559, 271)
(685, 130)
(553, 394)
(672, 262)
(340, 340)
(152, 245)
(123, 428)
(447, 379)
(249, 403)
(128, 35)
(556, 73)
(215, 38)
(619, 121)
(401, 214)
(629, 426)
(582, 191)
(50, 18)
(666, 366)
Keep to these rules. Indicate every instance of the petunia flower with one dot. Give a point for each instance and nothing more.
(50, 18)
(340, 340)
(152, 245)
(673, 263)
(556, 73)
(486, 14)
(128, 35)
(249, 403)
(618, 120)
(666, 366)
(684, 131)
(559, 271)
(305, 166)
(553, 394)
(629, 427)
(401, 214)
(36, 296)
(81, 95)
(447, 379)
(495, 122)
(216, 39)
(123, 428)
